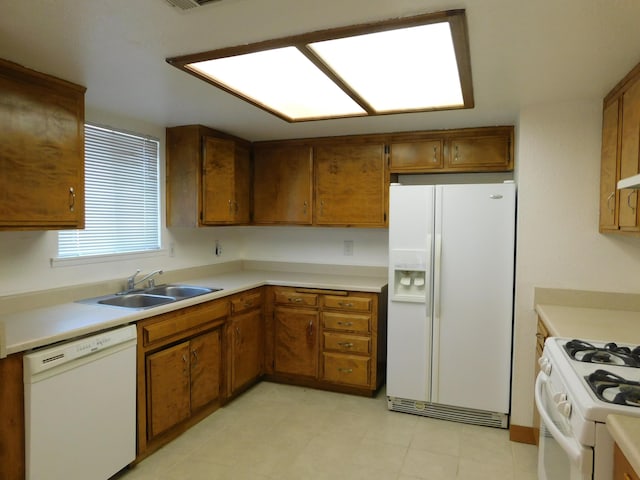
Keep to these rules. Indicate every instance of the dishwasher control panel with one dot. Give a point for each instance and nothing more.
(50, 357)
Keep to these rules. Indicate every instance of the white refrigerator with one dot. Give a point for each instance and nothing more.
(450, 316)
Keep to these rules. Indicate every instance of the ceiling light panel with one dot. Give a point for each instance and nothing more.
(283, 80)
(407, 69)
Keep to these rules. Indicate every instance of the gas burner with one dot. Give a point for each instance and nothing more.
(609, 354)
(612, 388)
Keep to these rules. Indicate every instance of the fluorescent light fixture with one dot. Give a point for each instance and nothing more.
(403, 65)
(282, 79)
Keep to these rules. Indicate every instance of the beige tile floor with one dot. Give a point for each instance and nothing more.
(292, 433)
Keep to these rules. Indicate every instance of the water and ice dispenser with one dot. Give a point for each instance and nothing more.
(409, 275)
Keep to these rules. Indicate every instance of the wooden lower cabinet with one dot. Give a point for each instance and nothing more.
(180, 371)
(622, 469)
(245, 340)
(12, 427)
(335, 340)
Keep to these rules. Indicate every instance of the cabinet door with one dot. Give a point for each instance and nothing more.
(482, 152)
(225, 182)
(41, 151)
(246, 348)
(628, 213)
(416, 156)
(296, 341)
(168, 400)
(206, 364)
(282, 184)
(351, 185)
(609, 167)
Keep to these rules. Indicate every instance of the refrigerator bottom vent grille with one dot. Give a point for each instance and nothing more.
(446, 412)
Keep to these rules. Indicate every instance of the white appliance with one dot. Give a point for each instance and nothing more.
(579, 384)
(80, 407)
(451, 273)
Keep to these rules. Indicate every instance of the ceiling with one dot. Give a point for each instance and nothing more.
(523, 52)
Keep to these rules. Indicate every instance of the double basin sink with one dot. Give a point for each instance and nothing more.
(152, 296)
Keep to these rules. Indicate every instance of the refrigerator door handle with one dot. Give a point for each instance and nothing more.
(435, 334)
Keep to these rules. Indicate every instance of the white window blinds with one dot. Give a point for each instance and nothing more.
(121, 196)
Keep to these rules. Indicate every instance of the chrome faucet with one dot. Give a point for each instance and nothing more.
(131, 281)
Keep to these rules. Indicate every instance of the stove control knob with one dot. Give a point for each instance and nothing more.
(559, 397)
(564, 408)
(545, 365)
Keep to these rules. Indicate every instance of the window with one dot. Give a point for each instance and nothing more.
(121, 196)
(410, 64)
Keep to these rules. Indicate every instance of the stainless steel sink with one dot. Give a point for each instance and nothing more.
(179, 291)
(151, 297)
(136, 300)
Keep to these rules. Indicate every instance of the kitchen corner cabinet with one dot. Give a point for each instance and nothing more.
(622, 469)
(41, 150)
(245, 339)
(351, 184)
(328, 339)
(208, 177)
(282, 184)
(620, 156)
(180, 371)
(487, 149)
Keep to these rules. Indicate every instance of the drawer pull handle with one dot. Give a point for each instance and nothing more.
(248, 303)
(345, 304)
(295, 299)
(72, 199)
(345, 324)
(345, 370)
(345, 344)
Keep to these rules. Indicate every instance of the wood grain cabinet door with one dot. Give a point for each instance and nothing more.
(168, 402)
(206, 362)
(481, 152)
(351, 185)
(246, 348)
(609, 167)
(629, 157)
(296, 341)
(282, 184)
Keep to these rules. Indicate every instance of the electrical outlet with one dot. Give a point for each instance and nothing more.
(172, 249)
(218, 249)
(348, 248)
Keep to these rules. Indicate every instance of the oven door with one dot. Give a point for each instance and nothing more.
(560, 455)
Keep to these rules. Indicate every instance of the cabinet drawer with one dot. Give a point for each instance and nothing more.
(347, 343)
(361, 304)
(349, 369)
(246, 301)
(291, 297)
(179, 321)
(347, 322)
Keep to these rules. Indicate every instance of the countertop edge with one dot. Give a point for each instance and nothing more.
(625, 431)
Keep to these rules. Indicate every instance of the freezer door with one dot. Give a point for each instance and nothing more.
(409, 310)
(473, 295)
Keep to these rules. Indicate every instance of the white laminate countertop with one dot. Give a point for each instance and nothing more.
(38, 327)
(622, 326)
(625, 431)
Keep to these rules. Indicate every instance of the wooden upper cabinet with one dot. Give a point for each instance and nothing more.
(208, 177)
(282, 184)
(480, 150)
(41, 150)
(486, 149)
(609, 167)
(620, 156)
(351, 184)
(416, 156)
(225, 183)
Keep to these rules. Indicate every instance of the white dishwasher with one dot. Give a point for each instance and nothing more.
(80, 407)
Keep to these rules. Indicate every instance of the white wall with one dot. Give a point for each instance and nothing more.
(558, 245)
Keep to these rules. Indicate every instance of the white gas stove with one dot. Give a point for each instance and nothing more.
(579, 384)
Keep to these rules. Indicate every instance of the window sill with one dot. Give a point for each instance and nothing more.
(91, 259)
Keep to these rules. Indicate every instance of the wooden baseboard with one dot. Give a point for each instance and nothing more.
(520, 434)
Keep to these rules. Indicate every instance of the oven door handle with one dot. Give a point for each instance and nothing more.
(573, 449)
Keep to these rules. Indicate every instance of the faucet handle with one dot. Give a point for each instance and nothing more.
(131, 280)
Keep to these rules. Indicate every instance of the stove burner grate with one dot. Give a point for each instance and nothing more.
(612, 388)
(610, 354)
